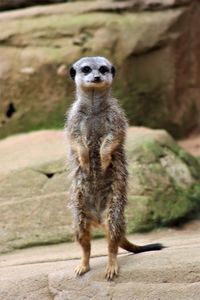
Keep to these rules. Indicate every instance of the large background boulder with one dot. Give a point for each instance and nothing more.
(157, 55)
(164, 186)
(164, 181)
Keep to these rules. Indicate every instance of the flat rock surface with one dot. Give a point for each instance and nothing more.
(47, 272)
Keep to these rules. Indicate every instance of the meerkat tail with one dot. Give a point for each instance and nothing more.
(125, 244)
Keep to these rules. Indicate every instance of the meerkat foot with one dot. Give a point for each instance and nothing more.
(81, 269)
(112, 271)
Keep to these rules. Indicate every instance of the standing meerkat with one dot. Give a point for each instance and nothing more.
(96, 129)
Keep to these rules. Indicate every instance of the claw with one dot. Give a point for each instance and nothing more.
(81, 269)
(112, 271)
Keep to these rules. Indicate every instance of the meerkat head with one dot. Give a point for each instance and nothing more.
(92, 73)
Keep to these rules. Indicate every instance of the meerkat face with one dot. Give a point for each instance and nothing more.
(93, 73)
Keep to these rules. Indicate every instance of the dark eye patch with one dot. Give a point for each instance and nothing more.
(103, 69)
(86, 69)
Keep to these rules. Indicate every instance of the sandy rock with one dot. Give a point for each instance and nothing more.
(48, 272)
(13, 4)
(92, 6)
(192, 144)
(37, 148)
(33, 190)
(163, 180)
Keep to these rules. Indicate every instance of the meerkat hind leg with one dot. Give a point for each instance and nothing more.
(84, 241)
(112, 268)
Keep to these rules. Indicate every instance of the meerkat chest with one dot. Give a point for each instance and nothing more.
(94, 127)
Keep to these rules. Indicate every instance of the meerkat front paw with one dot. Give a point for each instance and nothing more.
(81, 269)
(84, 162)
(83, 157)
(105, 161)
(112, 271)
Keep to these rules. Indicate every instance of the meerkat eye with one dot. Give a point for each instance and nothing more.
(103, 69)
(86, 70)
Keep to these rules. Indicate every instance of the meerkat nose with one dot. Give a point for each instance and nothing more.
(97, 78)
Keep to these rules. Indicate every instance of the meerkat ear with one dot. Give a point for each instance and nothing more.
(113, 71)
(72, 72)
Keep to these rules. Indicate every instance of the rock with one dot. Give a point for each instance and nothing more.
(192, 145)
(154, 275)
(157, 92)
(33, 191)
(105, 6)
(13, 4)
(164, 186)
(164, 180)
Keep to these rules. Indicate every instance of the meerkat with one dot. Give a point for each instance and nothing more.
(96, 130)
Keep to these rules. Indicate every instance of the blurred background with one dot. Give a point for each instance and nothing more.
(155, 46)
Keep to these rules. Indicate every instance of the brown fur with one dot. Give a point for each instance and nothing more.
(96, 129)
